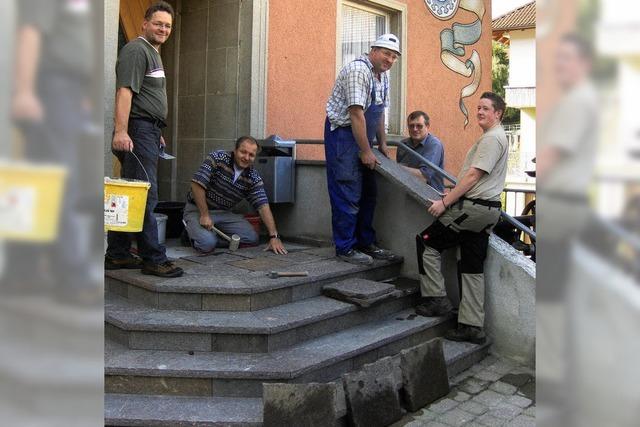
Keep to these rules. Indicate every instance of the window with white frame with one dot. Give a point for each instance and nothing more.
(361, 25)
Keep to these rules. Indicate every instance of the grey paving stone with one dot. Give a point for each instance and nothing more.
(312, 405)
(490, 421)
(530, 411)
(502, 366)
(487, 375)
(426, 415)
(489, 398)
(460, 396)
(474, 408)
(503, 388)
(489, 360)
(424, 374)
(473, 385)
(444, 405)
(506, 411)
(413, 423)
(517, 380)
(519, 401)
(522, 421)
(435, 424)
(456, 417)
(458, 379)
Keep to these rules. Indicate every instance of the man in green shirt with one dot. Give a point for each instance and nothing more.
(140, 114)
(465, 216)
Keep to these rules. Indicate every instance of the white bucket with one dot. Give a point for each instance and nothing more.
(161, 219)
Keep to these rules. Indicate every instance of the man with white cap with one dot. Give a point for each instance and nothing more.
(355, 120)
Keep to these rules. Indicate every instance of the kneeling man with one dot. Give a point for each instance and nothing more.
(223, 179)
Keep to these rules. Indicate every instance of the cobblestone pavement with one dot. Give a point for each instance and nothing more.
(494, 392)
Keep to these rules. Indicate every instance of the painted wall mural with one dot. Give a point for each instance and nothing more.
(453, 41)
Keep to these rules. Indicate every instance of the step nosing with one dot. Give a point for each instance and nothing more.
(166, 286)
(306, 357)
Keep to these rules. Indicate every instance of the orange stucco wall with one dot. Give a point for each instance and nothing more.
(301, 72)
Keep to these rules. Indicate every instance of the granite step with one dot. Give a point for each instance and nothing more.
(165, 411)
(242, 374)
(143, 328)
(234, 282)
(169, 411)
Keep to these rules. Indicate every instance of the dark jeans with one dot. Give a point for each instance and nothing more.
(146, 145)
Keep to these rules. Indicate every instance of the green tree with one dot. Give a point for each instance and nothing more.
(500, 78)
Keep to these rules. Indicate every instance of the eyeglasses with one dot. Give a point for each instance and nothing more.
(417, 126)
(161, 25)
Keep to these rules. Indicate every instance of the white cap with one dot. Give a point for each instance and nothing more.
(388, 41)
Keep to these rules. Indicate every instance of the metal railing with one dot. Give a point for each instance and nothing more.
(511, 220)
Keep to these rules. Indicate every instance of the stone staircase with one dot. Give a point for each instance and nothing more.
(196, 350)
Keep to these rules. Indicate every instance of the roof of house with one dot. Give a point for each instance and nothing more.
(521, 18)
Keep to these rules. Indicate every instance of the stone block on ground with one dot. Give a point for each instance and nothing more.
(292, 405)
(424, 374)
(361, 292)
(372, 395)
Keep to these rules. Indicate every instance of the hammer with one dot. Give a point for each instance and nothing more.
(234, 241)
(277, 274)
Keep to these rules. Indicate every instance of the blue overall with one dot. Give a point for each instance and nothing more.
(352, 186)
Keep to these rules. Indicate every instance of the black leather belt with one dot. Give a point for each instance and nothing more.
(481, 202)
(157, 122)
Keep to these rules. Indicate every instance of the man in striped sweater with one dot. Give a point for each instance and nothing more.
(223, 179)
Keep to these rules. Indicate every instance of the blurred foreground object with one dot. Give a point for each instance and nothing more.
(50, 178)
(30, 197)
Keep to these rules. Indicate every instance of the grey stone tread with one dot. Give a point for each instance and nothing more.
(284, 364)
(130, 316)
(144, 410)
(225, 278)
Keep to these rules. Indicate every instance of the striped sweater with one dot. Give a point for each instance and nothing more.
(216, 175)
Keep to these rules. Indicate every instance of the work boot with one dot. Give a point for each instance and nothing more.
(434, 307)
(166, 269)
(122, 263)
(356, 257)
(378, 253)
(473, 334)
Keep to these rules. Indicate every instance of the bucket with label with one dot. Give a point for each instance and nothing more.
(124, 204)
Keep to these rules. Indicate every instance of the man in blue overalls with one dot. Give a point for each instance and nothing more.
(355, 119)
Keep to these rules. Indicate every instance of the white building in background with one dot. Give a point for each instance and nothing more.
(517, 30)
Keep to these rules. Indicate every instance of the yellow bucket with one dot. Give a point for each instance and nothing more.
(30, 196)
(124, 204)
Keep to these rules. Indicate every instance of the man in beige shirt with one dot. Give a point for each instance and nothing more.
(465, 217)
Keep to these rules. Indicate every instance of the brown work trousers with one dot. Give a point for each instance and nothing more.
(467, 225)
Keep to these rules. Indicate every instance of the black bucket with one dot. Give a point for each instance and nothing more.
(173, 210)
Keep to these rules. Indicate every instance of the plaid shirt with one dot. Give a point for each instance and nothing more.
(353, 87)
(216, 176)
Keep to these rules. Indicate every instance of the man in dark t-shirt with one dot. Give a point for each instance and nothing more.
(140, 114)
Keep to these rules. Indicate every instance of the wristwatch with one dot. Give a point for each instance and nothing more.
(274, 236)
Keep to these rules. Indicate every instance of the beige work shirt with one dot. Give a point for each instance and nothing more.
(490, 154)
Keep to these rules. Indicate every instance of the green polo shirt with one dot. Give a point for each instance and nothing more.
(139, 68)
